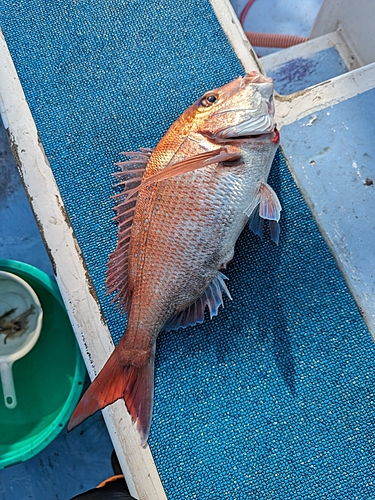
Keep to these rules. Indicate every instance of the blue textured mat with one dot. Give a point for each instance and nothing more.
(274, 398)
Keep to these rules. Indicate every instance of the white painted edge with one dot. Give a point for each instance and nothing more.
(350, 54)
(73, 280)
(236, 35)
(345, 48)
(300, 104)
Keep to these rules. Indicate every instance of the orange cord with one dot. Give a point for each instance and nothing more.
(274, 40)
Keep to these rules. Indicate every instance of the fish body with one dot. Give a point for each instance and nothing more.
(195, 193)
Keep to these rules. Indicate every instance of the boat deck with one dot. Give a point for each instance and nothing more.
(323, 149)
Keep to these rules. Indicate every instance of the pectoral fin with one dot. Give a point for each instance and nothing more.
(265, 205)
(189, 165)
(269, 207)
(256, 223)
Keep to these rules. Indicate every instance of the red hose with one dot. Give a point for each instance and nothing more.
(268, 39)
(245, 11)
(273, 40)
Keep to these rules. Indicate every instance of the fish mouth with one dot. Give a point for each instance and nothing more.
(261, 136)
(251, 124)
(243, 130)
(272, 136)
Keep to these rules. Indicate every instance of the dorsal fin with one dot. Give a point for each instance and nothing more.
(129, 178)
(212, 297)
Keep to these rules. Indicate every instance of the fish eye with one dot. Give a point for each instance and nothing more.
(208, 99)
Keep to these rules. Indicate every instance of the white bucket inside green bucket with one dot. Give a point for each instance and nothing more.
(21, 319)
(48, 380)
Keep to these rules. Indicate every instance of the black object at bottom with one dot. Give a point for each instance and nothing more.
(113, 490)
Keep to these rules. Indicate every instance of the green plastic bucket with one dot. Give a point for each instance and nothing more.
(48, 380)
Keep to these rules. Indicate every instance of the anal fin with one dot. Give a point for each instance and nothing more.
(194, 314)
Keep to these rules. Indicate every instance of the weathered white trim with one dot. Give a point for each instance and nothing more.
(348, 53)
(72, 277)
(236, 35)
(300, 104)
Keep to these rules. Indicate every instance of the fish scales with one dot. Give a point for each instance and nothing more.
(210, 204)
(195, 193)
(179, 249)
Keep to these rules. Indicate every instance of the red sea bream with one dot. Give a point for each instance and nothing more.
(183, 206)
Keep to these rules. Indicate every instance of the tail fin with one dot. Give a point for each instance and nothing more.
(115, 381)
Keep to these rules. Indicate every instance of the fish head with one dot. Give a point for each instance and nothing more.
(239, 109)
